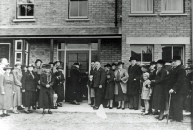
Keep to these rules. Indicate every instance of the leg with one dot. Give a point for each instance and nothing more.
(131, 102)
(135, 102)
(146, 106)
(111, 103)
(178, 107)
(123, 105)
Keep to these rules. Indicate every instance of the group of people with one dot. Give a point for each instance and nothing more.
(156, 86)
(42, 86)
(30, 87)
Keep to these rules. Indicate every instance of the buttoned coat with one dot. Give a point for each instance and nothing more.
(133, 84)
(99, 78)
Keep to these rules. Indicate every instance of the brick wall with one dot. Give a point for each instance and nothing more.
(39, 49)
(154, 26)
(110, 51)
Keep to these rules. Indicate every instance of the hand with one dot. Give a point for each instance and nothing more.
(171, 91)
(134, 79)
(23, 90)
(100, 86)
(153, 81)
(47, 86)
(39, 82)
(3, 93)
(13, 93)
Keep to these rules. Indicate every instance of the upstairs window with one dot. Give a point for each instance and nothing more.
(141, 6)
(25, 8)
(78, 9)
(172, 6)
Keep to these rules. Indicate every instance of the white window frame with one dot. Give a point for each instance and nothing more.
(133, 11)
(16, 57)
(76, 17)
(17, 12)
(16, 42)
(9, 50)
(170, 11)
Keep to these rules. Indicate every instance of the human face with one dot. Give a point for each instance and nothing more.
(159, 65)
(152, 67)
(145, 77)
(30, 68)
(143, 69)
(4, 62)
(133, 62)
(113, 67)
(18, 66)
(120, 66)
(98, 65)
(38, 63)
(7, 71)
(92, 64)
(46, 70)
(58, 63)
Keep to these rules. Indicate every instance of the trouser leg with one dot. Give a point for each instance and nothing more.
(98, 96)
(178, 107)
(135, 101)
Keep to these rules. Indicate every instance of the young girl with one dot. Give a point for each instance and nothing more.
(90, 85)
(146, 92)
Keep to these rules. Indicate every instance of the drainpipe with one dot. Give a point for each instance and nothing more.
(192, 31)
(116, 22)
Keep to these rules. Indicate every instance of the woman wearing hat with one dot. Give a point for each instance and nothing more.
(121, 78)
(29, 88)
(38, 70)
(110, 84)
(46, 91)
(159, 98)
(7, 91)
(56, 64)
(17, 73)
(58, 85)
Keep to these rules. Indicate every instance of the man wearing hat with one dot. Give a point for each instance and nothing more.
(178, 90)
(133, 84)
(46, 91)
(75, 84)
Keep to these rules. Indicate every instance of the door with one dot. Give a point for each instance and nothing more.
(81, 57)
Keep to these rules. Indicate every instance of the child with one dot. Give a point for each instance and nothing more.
(146, 92)
(46, 91)
(90, 85)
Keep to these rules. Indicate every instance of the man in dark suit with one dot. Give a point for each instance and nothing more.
(99, 84)
(133, 84)
(178, 90)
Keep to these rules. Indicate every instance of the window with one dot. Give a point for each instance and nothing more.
(18, 57)
(18, 45)
(5, 50)
(18, 51)
(25, 8)
(141, 6)
(143, 53)
(78, 8)
(172, 6)
(168, 52)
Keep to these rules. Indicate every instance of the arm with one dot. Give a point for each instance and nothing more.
(112, 76)
(2, 90)
(162, 78)
(180, 78)
(125, 76)
(42, 82)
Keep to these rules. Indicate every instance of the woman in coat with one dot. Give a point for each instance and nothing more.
(17, 73)
(121, 78)
(7, 91)
(29, 89)
(110, 86)
(46, 91)
(59, 85)
(159, 98)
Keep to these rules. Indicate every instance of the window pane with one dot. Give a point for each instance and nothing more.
(19, 46)
(94, 46)
(178, 51)
(82, 57)
(77, 46)
(18, 57)
(172, 6)
(61, 46)
(4, 51)
(82, 8)
(141, 6)
(167, 53)
(22, 10)
(26, 10)
(30, 10)
(73, 8)
(142, 53)
(73, 57)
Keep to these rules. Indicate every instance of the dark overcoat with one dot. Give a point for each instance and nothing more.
(30, 86)
(59, 85)
(46, 94)
(99, 78)
(159, 95)
(110, 85)
(133, 84)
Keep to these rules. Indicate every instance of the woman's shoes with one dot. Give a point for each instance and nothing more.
(30, 111)
(15, 112)
(131, 108)
(119, 107)
(123, 108)
(110, 107)
(6, 114)
(156, 113)
(161, 118)
(55, 107)
(59, 104)
(27, 112)
(49, 112)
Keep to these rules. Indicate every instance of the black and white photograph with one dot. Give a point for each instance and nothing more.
(96, 64)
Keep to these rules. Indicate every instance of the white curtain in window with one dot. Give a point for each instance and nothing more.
(141, 6)
(172, 6)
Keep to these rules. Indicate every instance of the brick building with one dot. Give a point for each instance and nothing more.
(86, 30)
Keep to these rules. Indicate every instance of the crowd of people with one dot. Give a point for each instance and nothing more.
(156, 85)
(162, 90)
(30, 87)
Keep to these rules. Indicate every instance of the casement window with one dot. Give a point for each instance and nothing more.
(78, 9)
(143, 53)
(168, 52)
(172, 6)
(141, 6)
(25, 9)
